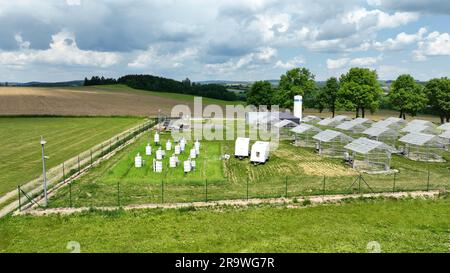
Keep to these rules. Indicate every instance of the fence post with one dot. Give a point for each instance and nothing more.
(428, 178)
(162, 191)
(90, 151)
(286, 188)
(110, 146)
(247, 187)
(78, 163)
(393, 186)
(20, 203)
(70, 195)
(64, 173)
(323, 186)
(206, 190)
(118, 193)
(359, 183)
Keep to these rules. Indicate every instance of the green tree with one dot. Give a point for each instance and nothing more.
(327, 96)
(260, 93)
(297, 81)
(407, 96)
(359, 90)
(438, 91)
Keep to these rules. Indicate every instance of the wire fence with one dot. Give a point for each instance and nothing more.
(104, 194)
(80, 163)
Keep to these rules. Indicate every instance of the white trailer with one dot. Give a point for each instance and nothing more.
(241, 147)
(260, 152)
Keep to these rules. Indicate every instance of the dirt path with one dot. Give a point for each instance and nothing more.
(314, 200)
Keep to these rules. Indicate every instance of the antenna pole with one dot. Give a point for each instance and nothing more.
(43, 142)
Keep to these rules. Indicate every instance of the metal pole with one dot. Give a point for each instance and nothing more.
(118, 194)
(43, 142)
(162, 191)
(247, 188)
(428, 179)
(359, 183)
(393, 187)
(323, 187)
(78, 163)
(286, 188)
(70, 194)
(64, 174)
(91, 156)
(206, 190)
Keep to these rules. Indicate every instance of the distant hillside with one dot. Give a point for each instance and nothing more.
(45, 84)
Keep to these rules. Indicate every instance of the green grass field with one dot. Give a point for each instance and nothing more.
(398, 225)
(291, 170)
(20, 156)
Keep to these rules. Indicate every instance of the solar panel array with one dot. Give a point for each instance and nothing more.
(378, 131)
(283, 123)
(304, 128)
(329, 135)
(364, 146)
(350, 125)
(419, 139)
(445, 134)
(445, 126)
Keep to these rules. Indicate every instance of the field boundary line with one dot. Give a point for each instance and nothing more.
(294, 202)
(33, 186)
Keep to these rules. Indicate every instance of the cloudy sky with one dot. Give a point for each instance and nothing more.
(56, 40)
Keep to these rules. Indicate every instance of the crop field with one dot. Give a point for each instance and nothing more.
(113, 100)
(20, 156)
(409, 225)
(291, 171)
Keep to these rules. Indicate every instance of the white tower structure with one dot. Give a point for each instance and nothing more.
(298, 103)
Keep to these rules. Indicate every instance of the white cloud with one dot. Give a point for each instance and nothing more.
(153, 57)
(348, 62)
(251, 60)
(386, 72)
(435, 44)
(21, 43)
(295, 62)
(337, 63)
(63, 50)
(401, 41)
(364, 18)
(73, 2)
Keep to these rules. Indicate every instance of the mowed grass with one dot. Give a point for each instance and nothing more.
(20, 153)
(397, 225)
(290, 171)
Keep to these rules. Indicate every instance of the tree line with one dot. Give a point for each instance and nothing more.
(357, 90)
(154, 83)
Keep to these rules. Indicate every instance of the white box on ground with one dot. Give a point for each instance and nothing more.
(193, 153)
(241, 147)
(138, 161)
(260, 152)
(187, 166)
(148, 149)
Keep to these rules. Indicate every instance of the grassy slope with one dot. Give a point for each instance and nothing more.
(398, 225)
(20, 156)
